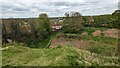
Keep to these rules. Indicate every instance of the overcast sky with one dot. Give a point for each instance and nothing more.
(32, 8)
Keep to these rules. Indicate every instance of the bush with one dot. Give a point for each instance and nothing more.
(73, 22)
(102, 49)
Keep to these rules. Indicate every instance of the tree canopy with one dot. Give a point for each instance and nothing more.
(73, 22)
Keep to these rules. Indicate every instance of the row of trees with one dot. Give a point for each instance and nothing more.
(110, 21)
(74, 21)
(28, 31)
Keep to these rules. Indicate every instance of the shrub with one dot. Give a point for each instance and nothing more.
(73, 22)
(102, 49)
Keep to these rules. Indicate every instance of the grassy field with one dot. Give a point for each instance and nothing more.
(60, 56)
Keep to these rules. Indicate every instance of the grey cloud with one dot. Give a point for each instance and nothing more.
(119, 5)
(65, 4)
(13, 8)
(34, 8)
(93, 2)
(20, 9)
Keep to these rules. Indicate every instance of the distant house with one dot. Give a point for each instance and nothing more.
(25, 27)
(56, 27)
(105, 24)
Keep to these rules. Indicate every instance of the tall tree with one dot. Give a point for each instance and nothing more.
(114, 21)
(4, 34)
(15, 30)
(44, 28)
(73, 22)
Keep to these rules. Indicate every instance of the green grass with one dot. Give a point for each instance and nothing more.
(63, 56)
(102, 49)
(90, 30)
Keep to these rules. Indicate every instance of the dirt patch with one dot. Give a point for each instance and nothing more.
(79, 43)
(97, 33)
(110, 33)
(84, 33)
(68, 42)
(57, 41)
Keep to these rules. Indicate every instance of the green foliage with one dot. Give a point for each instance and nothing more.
(114, 21)
(40, 31)
(4, 34)
(102, 49)
(90, 30)
(41, 44)
(73, 22)
(96, 21)
(44, 28)
(15, 31)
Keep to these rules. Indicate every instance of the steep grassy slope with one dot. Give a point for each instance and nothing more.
(61, 56)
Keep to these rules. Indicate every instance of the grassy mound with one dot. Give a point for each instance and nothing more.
(60, 56)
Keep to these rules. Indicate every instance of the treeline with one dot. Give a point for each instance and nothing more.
(74, 22)
(27, 31)
(97, 21)
(109, 21)
(30, 31)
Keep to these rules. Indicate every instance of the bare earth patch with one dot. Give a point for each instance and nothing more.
(97, 33)
(69, 42)
(84, 33)
(110, 33)
(79, 43)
